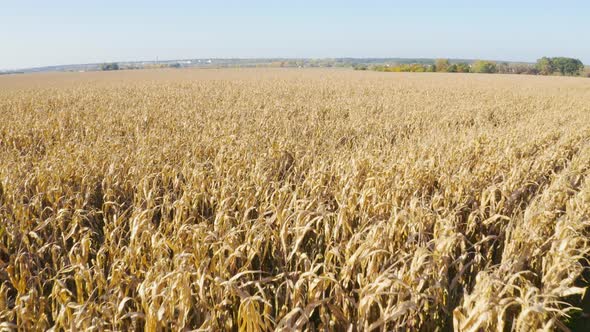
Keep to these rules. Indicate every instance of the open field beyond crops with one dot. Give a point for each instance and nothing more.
(293, 199)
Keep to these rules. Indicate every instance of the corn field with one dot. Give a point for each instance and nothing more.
(269, 199)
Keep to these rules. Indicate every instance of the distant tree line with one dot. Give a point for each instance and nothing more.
(544, 66)
(441, 65)
(109, 66)
(116, 66)
(564, 66)
(414, 68)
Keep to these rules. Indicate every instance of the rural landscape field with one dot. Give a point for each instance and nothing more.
(293, 199)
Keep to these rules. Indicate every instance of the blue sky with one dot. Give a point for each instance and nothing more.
(37, 33)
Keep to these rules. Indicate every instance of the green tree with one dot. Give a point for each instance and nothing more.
(545, 66)
(568, 66)
(487, 67)
(417, 68)
(463, 67)
(442, 65)
(458, 68)
(109, 66)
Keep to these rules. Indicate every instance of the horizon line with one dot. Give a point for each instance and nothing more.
(256, 58)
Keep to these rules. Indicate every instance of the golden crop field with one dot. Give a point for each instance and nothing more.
(284, 199)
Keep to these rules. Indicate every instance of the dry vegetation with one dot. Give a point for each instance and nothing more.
(292, 199)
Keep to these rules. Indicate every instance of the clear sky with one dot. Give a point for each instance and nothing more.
(38, 33)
